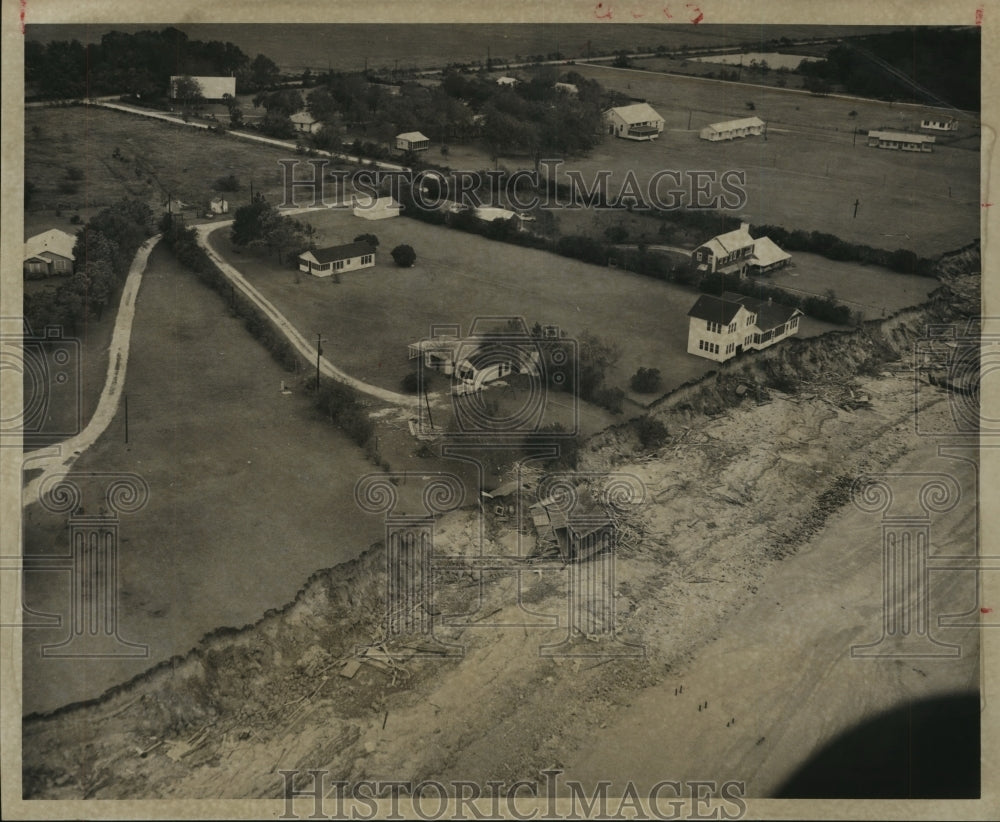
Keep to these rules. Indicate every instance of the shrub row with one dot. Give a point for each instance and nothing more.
(822, 308)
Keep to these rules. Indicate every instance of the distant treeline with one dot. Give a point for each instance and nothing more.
(943, 61)
(140, 64)
(104, 251)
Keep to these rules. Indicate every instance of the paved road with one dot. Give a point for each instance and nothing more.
(58, 459)
(294, 336)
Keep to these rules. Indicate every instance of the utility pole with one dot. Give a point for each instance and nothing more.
(855, 137)
(126, 419)
(690, 113)
(427, 402)
(319, 353)
(856, 204)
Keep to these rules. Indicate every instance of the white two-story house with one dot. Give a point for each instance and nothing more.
(719, 328)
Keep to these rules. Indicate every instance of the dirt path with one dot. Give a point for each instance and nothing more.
(59, 459)
(294, 336)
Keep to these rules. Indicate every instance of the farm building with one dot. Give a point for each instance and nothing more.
(900, 141)
(381, 208)
(638, 121)
(507, 81)
(212, 88)
(49, 253)
(719, 328)
(412, 141)
(323, 262)
(305, 123)
(218, 205)
(737, 252)
(939, 123)
(567, 88)
(733, 129)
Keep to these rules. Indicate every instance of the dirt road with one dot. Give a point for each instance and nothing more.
(59, 459)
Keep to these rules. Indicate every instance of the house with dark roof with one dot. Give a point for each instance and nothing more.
(719, 328)
(324, 262)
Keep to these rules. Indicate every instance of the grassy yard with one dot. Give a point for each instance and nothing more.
(250, 491)
(158, 158)
(372, 314)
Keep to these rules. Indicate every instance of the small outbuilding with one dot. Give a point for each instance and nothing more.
(412, 141)
(734, 129)
(218, 205)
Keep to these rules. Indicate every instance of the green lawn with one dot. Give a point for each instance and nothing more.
(372, 314)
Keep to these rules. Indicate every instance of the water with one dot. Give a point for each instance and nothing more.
(347, 47)
(774, 59)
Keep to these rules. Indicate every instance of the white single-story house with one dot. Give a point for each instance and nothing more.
(305, 123)
(732, 129)
(212, 88)
(49, 253)
(412, 141)
(567, 88)
(506, 81)
(323, 262)
(901, 141)
(737, 252)
(381, 208)
(719, 328)
(638, 121)
(218, 205)
(939, 123)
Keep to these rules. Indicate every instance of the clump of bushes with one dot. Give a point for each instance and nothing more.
(646, 380)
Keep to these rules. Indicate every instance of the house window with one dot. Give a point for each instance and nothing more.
(732, 328)
(701, 345)
(714, 328)
(366, 259)
(748, 339)
(323, 267)
(794, 323)
(338, 265)
(756, 339)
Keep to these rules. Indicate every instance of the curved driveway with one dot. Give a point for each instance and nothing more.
(294, 336)
(59, 459)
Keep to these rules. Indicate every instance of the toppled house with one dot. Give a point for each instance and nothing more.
(939, 123)
(474, 361)
(577, 532)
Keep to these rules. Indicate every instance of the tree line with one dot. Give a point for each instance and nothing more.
(104, 250)
(138, 64)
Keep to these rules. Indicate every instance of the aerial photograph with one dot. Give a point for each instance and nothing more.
(568, 419)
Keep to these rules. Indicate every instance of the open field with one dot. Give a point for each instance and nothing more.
(373, 314)
(250, 492)
(159, 158)
(807, 173)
